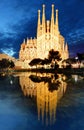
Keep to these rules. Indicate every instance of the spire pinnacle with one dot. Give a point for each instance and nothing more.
(39, 16)
(43, 19)
(43, 14)
(39, 23)
(24, 41)
(43, 8)
(57, 25)
(52, 19)
(66, 47)
(52, 15)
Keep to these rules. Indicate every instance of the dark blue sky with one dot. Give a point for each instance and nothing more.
(18, 20)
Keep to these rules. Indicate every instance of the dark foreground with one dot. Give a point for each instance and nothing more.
(42, 70)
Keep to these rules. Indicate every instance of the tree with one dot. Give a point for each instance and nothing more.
(45, 62)
(35, 62)
(5, 63)
(11, 64)
(54, 57)
(80, 56)
(70, 60)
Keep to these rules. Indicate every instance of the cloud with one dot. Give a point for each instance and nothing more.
(9, 45)
(25, 28)
(76, 36)
(8, 51)
(19, 21)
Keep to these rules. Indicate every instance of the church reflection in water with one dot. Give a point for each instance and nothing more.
(48, 90)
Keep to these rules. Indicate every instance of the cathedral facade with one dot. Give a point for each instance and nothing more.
(48, 37)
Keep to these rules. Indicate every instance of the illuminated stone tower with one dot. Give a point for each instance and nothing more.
(48, 37)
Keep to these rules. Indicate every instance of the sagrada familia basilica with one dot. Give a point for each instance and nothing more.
(48, 37)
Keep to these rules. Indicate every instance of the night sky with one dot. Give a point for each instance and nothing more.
(18, 20)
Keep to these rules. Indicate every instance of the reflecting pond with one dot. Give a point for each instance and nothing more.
(41, 101)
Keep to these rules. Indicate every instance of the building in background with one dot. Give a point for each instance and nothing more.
(48, 37)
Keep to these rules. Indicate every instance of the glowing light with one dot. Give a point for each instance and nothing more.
(11, 82)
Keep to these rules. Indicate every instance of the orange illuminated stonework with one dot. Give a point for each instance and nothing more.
(45, 99)
(48, 37)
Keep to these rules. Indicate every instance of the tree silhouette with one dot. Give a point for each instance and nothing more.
(5, 63)
(80, 56)
(45, 61)
(68, 62)
(54, 57)
(11, 64)
(35, 62)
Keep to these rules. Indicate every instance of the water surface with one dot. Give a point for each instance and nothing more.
(41, 101)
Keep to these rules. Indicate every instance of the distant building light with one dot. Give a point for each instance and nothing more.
(11, 82)
(76, 58)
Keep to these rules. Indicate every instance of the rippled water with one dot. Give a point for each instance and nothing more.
(31, 101)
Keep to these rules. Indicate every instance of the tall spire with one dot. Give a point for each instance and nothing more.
(66, 47)
(24, 41)
(27, 40)
(39, 17)
(52, 19)
(66, 51)
(52, 15)
(43, 19)
(57, 25)
(39, 23)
